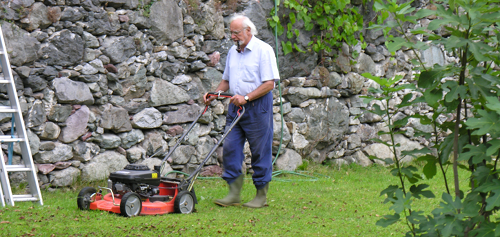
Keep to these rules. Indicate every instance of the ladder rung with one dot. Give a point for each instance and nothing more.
(1, 52)
(7, 109)
(24, 198)
(4, 80)
(14, 168)
(8, 138)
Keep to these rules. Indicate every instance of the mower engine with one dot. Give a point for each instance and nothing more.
(135, 178)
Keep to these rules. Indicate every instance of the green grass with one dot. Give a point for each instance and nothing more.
(346, 203)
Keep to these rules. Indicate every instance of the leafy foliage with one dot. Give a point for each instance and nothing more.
(336, 21)
(467, 88)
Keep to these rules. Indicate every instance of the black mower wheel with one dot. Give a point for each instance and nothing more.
(84, 198)
(184, 202)
(130, 205)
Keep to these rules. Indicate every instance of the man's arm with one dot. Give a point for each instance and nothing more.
(257, 93)
(223, 86)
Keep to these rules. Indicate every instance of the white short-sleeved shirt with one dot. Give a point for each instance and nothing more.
(248, 70)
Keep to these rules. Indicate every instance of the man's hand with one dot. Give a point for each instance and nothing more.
(208, 100)
(238, 100)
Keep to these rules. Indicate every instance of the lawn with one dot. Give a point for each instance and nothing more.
(345, 203)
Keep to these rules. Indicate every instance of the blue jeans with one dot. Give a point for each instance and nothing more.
(256, 126)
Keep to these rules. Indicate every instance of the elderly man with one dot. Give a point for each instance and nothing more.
(250, 74)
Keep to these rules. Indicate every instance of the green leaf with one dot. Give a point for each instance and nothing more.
(418, 190)
(429, 77)
(494, 147)
(486, 229)
(395, 44)
(388, 220)
(390, 190)
(432, 97)
(477, 153)
(287, 47)
(401, 201)
(487, 122)
(493, 201)
(429, 169)
(292, 17)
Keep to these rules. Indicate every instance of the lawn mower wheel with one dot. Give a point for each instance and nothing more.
(131, 204)
(184, 202)
(84, 197)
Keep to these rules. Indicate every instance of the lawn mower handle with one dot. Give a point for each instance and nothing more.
(218, 94)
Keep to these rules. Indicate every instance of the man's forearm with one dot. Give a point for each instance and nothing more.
(261, 90)
(223, 86)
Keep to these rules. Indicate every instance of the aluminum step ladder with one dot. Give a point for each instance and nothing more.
(18, 135)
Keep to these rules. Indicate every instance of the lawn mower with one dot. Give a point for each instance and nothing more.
(137, 190)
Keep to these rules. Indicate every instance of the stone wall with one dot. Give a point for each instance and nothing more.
(106, 83)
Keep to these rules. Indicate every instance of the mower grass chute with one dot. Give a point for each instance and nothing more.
(137, 190)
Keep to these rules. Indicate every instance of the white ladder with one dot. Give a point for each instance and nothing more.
(19, 135)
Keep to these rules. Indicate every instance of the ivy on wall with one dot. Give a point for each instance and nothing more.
(337, 22)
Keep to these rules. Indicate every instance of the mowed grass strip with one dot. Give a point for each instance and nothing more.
(346, 203)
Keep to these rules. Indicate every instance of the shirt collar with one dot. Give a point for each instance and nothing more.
(251, 43)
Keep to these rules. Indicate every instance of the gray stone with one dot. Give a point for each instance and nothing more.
(327, 121)
(433, 55)
(353, 83)
(179, 51)
(154, 144)
(135, 154)
(289, 160)
(61, 152)
(65, 177)
(183, 154)
(59, 113)
(102, 165)
(34, 143)
(158, 96)
(50, 131)
(298, 141)
(296, 115)
(362, 159)
(166, 21)
(278, 133)
(380, 151)
(84, 151)
(184, 113)
(21, 46)
(110, 141)
(147, 118)
(297, 95)
(405, 145)
(36, 83)
(203, 147)
(36, 115)
(38, 17)
(415, 123)
(364, 63)
(131, 138)
(76, 125)
(62, 48)
(119, 49)
(116, 119)
(74, 92)
(72, 14)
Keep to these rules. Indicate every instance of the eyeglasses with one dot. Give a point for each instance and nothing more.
(237, 32)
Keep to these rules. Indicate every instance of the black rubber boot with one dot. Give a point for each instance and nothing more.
(233, 197)
(260, 199)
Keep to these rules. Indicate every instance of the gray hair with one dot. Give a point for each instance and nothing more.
(246, 22)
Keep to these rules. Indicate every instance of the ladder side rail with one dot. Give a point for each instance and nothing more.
(5, 183)
(19, 125)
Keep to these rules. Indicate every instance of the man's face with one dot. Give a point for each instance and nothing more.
(239, 34)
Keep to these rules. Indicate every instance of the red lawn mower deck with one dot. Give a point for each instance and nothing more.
(137, 190)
